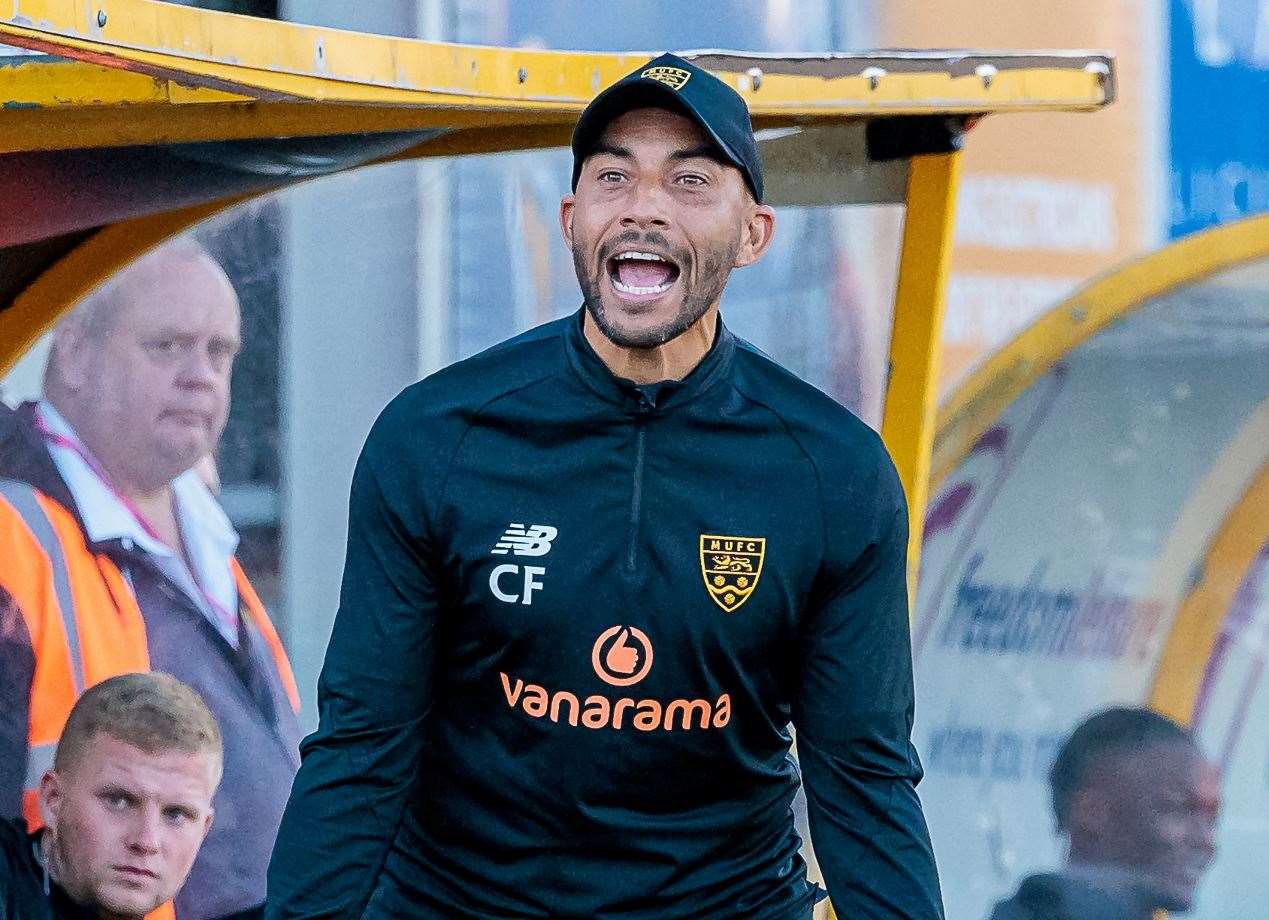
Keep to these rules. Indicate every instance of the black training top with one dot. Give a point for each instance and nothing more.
(577, 618)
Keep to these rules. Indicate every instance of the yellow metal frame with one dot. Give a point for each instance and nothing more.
(74, 105)
(1197, 625)
(976, 404)
(264, 58)
(183, 74)
(911, 396)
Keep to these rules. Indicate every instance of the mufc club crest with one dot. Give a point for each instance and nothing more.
(673, 77)
(731, 567)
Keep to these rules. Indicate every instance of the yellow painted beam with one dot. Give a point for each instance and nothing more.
(277, 61)
(911, 397)
(97, 127)
(49, 83)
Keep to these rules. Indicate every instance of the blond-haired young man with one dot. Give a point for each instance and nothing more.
(126, 805)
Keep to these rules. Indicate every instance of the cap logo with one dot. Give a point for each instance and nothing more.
(673, 77)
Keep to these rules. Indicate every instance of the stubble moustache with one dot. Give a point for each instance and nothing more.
(696, 298)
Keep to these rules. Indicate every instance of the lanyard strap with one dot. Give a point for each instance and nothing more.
(60, 440)
(99, 471)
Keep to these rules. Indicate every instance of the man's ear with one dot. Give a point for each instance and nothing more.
(568, 205)
(50, 797)
(755, 235)
(1089, 813)
(70, 353)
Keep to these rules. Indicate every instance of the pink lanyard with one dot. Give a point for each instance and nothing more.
(52, 437)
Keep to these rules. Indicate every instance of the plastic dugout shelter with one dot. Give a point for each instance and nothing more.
(136, 120)
(1099, 535)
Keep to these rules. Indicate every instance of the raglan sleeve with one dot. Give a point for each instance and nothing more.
(374, 693)
(853, 710)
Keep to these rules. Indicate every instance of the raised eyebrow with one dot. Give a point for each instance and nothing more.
(703, 151)
(613, 150)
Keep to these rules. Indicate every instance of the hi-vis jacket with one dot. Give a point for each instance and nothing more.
(74, 620)
(577, 619)
(83, 621)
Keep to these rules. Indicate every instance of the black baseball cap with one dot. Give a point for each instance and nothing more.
(669, 82)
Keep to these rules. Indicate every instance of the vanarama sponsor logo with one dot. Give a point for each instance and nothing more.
(596, 711)
(617, 661)
(621, 656)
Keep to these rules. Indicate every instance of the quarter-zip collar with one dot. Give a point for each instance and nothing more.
(636, 399)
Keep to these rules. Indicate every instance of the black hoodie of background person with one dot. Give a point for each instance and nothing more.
(546, 694)
(1082, 896)
(22, 880)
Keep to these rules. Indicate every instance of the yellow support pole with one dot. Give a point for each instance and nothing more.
(907, 425)
(912, 395)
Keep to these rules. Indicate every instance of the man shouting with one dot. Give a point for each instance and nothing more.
(593, 575)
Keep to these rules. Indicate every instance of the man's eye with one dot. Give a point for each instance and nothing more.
(117, 802)
(165, 346)
(691, 179)
(176, 815)
(610, 175)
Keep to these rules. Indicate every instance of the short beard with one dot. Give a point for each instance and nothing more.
(695, 302)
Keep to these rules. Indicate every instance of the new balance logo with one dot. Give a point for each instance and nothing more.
(534, 540)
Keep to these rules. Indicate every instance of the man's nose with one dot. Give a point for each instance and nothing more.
(144, 835)
(197, 368)
(646, 206)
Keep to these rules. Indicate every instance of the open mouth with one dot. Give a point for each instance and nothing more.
(638, 274)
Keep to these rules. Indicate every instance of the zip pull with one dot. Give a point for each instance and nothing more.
(647, 404)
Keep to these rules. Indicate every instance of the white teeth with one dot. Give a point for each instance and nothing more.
(640, 256)
(635, 289)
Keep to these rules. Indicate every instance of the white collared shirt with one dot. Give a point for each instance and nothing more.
(210, 539)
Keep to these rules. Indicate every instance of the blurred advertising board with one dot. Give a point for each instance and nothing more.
(1218, 97)
(1047, 200)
